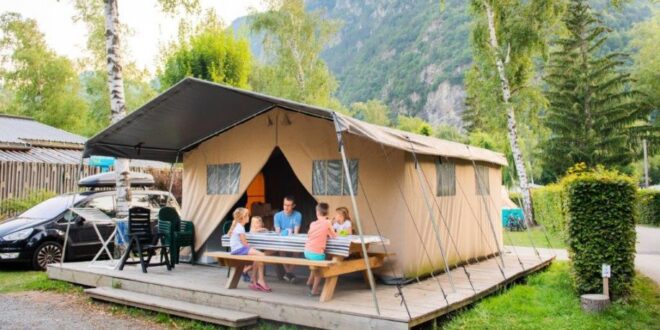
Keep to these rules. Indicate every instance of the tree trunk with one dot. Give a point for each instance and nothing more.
(511, 119)
(117, 102)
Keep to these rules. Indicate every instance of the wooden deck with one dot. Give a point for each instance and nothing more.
(352, 306)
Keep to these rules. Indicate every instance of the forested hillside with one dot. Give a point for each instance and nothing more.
(413, 54)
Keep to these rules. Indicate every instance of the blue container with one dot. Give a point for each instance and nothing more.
(122, 232)
(514, 212)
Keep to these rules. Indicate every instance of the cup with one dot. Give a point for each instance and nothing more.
(284, 232)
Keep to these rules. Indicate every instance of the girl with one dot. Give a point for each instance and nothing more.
(317, 238)
(342, 224)
(256, 226)
(239, 246)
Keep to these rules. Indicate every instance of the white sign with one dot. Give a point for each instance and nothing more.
(606, 271)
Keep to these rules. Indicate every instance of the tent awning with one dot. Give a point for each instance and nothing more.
(195, 110)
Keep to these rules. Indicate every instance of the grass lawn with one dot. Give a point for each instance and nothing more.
(547, 301)
(21, 280)
(521, 238)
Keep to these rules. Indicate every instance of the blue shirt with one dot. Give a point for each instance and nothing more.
(284, 221)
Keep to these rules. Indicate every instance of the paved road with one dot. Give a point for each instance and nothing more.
(43, 310)
(647, 259)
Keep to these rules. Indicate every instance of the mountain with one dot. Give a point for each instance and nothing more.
(413, 54)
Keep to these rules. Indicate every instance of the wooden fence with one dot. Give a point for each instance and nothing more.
(20, 179)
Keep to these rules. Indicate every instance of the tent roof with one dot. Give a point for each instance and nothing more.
(195, 110)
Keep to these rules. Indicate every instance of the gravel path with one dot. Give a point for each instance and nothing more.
(44, 310)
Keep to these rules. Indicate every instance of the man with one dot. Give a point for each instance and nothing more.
(288, 221)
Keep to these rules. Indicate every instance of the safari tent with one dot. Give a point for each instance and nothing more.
(436, 201)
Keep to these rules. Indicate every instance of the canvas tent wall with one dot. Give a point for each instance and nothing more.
(220, 130)
(305, 140)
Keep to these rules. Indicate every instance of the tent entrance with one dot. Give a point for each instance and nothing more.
(280, 181)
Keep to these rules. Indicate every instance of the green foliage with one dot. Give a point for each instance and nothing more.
(392, 50)
(592, 108)
(414, 124)
(42, 84)
(600, 220)
(212, 53)
(372, 111)
(94, 78)
(547, 301)
(548, 209)
(19, 205)
(648, 207)
(292, 41)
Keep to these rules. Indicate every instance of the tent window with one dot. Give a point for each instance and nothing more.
(328, 177)
(446, 173)
(223, 179)
(481, 178)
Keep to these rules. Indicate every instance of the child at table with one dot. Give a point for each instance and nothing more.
(256, 226)
(342, 222)
(317, 238)
(239, 246)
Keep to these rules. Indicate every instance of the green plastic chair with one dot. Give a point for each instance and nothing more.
(176, 232)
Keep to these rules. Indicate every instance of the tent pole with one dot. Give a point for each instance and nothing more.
(433, 222)
(342, 151)
(412, 219)
(73, 201)
(490, 221)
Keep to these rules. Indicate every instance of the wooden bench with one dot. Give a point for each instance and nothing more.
(329, 269)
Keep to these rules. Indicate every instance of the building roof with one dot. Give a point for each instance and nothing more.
(21, 133)
(195, 110)
(26, 140)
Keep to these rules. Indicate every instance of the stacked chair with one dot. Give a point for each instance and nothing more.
(143, 242)
(176, 233)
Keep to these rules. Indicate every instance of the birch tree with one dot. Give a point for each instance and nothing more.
(512, 33)
(117, 100)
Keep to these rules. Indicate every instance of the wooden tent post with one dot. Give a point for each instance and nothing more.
(342, 151)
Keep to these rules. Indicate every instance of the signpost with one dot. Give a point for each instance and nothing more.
(605, 273)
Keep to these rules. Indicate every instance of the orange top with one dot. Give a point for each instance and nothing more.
(317, 236)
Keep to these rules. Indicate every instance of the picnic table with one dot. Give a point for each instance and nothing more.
(345, 253)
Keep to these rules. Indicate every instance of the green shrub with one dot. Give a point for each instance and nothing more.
(516, 197)
(548, 208)
(600, 214)
(648, 207)
(14, 206)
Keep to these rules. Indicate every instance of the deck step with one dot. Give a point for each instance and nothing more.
(204, 313)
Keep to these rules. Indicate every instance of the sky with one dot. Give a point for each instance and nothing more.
(150, 27)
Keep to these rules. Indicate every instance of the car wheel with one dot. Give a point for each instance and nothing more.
(46, 253)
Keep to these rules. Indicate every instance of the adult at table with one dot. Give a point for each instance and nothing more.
(288, 222)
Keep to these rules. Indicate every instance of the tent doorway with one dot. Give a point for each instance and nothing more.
(280, 181)
(275, 181)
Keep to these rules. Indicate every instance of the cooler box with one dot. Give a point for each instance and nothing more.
(514, 212)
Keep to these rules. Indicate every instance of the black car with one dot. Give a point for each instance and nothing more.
(36, 236)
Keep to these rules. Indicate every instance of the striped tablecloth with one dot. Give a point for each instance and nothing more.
(339, 246)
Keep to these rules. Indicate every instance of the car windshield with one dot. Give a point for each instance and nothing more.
(50, 207)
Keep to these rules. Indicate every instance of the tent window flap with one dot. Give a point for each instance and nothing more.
(223, 179)
(481, 178)
(329, 178)
(446, 174)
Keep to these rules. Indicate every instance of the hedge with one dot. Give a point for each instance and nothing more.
(648, 207)
(548, 208)
(600, 214)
